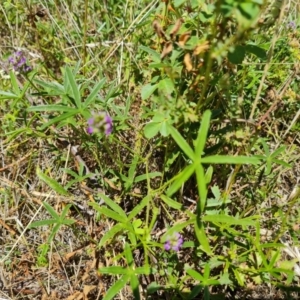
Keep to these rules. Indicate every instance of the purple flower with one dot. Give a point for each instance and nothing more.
(18, 62)
(174, 242)
(101, 122)
(291, 25)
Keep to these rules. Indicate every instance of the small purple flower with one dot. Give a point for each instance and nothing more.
(101, 122)
(291, 25)
(18, 62)
(174, 242)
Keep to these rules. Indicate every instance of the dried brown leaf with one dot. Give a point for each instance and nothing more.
(201, 48)
(183, 39)
(188, 62)
(158, 29)
(176, 28)
(167, 49)
(87, 289)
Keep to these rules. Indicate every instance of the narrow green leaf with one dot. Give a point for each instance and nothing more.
(229, 220)
(197, 276)
(74, 87)
(108, 212)
(177, 228)
(53, 184)
(14, 83)
(42, 223)
(51, 210)
(181, 178)
(113, 205)
(52, 86)
(94, 93)
(114, 290)
(146, 270)
(201, 184)
(281, 162)
(110, 234)
(128, 255)
(201, 236)
(209, 174)
(113, 270)
(278, 151)
(149, 175)
(54, 107)
(62, 117)
(8, 95)
(170, 202)
(181, 142)
(202, 134)
(134, 284)
(222, 159)
(138, 208)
